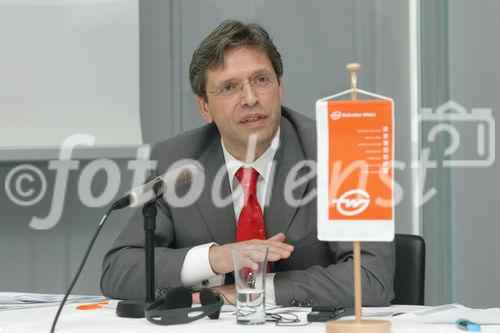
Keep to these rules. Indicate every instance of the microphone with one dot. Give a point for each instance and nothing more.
(138, 196)
(153, 189)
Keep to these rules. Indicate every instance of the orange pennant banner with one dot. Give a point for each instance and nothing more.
(355, 170)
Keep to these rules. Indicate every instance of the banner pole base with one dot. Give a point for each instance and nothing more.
(354, 326)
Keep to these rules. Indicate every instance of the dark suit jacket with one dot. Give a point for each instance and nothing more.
(319, 273)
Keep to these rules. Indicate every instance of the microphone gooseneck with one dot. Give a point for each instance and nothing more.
(79, 271)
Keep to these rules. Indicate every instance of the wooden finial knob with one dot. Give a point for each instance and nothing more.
(353, 67)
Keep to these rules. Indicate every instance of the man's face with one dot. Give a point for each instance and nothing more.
(251, 110)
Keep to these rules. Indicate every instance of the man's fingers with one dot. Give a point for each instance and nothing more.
(272, 242)
(251, 264)
(281, 251)
(277, 249)
(275, 255)
(279, 245)
(278, 237)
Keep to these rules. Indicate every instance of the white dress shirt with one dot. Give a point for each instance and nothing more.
(196, 271)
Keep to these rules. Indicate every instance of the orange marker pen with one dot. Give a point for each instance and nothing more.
(91, 306)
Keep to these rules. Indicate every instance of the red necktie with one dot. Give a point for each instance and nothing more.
(251, 222)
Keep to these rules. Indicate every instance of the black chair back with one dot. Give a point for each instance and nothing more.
(409, 279)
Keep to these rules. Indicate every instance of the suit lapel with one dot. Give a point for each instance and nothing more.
(220, 221)
(279, 214)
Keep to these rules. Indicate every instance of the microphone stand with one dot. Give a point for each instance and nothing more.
(138, 196)
(135, 308)
(149, 214)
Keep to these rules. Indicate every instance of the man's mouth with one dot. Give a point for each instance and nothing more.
(253, 119)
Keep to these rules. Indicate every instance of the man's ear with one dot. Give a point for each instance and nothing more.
(203, 106)
(282, 91)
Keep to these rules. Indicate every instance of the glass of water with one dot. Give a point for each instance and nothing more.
(250, 262)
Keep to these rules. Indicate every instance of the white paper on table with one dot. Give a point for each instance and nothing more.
(16, 301)
(489, 316)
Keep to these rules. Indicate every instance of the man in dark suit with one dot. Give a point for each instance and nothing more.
(236, 76)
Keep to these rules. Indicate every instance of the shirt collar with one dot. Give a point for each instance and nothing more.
(262, 164)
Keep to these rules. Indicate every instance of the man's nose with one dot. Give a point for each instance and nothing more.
(248, 96)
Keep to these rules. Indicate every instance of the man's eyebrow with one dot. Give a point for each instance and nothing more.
(260, 72)
(255, 73)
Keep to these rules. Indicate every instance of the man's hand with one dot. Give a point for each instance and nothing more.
(221, 259)
(228, 294)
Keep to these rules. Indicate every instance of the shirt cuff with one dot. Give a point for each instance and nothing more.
(196, 267)
(270, 298)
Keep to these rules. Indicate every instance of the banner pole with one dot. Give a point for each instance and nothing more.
(358, 325)
(357, 280)
(354, 68)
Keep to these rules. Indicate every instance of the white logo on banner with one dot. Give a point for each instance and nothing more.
(352, 202)
(335, 115)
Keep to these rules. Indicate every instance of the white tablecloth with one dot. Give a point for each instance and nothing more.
(105, 320)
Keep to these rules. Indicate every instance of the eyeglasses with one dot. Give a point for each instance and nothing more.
(229, 90)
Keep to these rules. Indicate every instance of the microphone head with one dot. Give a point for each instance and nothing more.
(185, 174)
(154, 188)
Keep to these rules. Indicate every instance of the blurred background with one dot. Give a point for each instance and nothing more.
(117, 71)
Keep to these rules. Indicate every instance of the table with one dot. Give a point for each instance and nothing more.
(105, 320)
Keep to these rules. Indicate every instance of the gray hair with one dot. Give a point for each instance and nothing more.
(230, 33)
